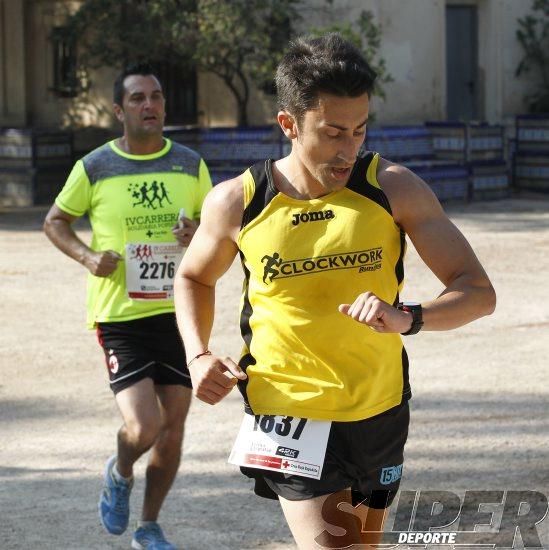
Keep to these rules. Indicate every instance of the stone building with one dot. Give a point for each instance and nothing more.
(450, 59)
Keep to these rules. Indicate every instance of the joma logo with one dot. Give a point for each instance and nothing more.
(312, 216)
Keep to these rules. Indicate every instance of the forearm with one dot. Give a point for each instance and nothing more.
(460, 303)
(62, 235)
(194, 307)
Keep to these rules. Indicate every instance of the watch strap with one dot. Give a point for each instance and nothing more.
(417, 317)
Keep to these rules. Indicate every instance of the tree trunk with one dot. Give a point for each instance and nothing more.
(242, 112)
(241, 100)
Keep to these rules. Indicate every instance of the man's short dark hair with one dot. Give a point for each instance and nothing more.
(327, 64)
(143, 69)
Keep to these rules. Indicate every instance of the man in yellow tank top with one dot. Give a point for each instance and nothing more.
(321, 236)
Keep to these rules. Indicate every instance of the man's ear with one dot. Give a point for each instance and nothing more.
(288, 124)
(118, 112)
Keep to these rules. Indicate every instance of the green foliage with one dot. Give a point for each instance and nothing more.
(366, 36)
(240, 41)
(533, 36)
(114, 32)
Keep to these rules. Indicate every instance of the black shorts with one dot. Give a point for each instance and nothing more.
(366, 455)
(144, 348)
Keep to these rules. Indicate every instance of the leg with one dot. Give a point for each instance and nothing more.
(330, 521)
(139, 408)
(166, 452)
(372, 520)
(142, 420)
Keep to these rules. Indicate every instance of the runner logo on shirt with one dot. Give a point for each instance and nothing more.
(153, 195)
(271, 263)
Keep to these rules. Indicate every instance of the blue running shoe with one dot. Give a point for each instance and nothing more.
(151, 537)
(114, 502)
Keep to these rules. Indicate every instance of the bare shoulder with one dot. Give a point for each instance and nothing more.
(411, 199)
(224, 204)
(227, 194)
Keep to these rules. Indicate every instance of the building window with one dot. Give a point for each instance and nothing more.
(179, 84)
(65, 78)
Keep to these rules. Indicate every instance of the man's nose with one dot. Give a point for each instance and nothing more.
(349, 150)
(348, 153)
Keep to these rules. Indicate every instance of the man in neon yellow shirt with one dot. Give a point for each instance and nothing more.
(143, 195)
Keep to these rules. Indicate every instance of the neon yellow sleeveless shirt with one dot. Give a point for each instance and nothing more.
(132, 198)
(301, 259)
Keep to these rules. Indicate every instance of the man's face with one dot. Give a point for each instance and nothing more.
(143, 106)
(329, 138)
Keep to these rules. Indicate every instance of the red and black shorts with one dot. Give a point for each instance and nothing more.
(366, 455)
(144, 348)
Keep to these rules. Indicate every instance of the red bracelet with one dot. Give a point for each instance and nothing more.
(207, 352)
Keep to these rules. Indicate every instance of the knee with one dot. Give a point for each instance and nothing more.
(143, 433)
(171, 438)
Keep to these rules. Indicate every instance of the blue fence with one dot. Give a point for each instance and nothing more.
(229, 151)
(33, 165)
(458, 161)
(531, 156)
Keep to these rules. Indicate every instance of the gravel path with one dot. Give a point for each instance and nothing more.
(479, 412)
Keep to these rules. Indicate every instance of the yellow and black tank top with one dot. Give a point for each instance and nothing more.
(301, 259)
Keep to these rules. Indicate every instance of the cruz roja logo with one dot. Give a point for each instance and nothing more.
(150, 195)
(364, 260)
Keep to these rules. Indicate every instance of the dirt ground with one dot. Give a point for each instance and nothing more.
(479, 411)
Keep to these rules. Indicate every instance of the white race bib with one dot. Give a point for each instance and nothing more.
(150, 269)
(285, 444)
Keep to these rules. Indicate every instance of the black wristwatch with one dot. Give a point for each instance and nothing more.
(417, 316)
